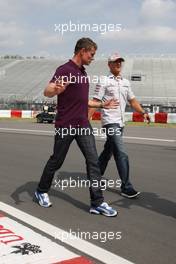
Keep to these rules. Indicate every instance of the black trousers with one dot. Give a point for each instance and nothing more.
(86, 143)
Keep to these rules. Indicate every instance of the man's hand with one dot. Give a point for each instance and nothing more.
(110, 104)
(96, 103)
(60, 87)
(138, 108)
(147, 118)
(55, 88)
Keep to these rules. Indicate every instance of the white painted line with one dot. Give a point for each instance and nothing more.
(147, 139)
(26, 130)
(48, 132)
(80, 244)
(152, 139)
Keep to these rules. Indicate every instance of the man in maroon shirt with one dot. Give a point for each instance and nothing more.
(70, 84)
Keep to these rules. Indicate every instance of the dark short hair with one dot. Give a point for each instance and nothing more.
(85, 43)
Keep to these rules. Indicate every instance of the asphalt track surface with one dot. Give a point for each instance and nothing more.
(147, 224)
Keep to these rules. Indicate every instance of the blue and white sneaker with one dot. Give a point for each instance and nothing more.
(103, 209)
(43, 199)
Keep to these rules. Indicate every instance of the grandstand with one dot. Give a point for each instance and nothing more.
(153, 80)
(24, 80)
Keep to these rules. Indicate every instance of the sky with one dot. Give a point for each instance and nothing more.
(51, 28)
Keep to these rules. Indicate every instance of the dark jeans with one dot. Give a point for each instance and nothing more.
(114, 146)
(86, 143)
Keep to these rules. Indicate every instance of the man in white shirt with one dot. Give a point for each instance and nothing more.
(115, 86)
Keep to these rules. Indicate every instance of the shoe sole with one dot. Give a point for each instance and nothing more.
(130, 196)
(38, 201)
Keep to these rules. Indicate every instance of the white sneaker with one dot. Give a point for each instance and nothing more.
(43, 199)
(103, 209)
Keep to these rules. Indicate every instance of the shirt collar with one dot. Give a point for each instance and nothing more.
(82, 68)
(117, 78)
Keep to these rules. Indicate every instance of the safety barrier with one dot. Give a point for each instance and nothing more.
(129, 116)
(137, 117)
(96, 116)
(15, 113)
(161, 118)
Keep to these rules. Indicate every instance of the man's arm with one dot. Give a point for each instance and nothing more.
(138, 108)
(92, 109)
(96, 103)
(108, 104)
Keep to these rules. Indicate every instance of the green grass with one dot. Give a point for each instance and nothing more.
(150, 125)
(16, 119)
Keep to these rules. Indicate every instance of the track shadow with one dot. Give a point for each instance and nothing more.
(150, 201)
(30, 188)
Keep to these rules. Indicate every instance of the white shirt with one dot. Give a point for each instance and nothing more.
(111, 87)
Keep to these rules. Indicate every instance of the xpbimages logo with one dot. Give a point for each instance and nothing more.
(86, 27)
(84, 183)
(75, 79)
(103, 236)
(111, 131)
